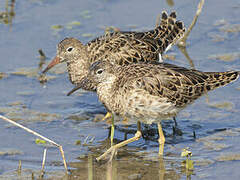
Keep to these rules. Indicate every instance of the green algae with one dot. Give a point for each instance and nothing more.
(86, 14)
(78, 142)
(73, 24)
(203, 162)
(10, 152)
(217, 37)
(87, 35)
(220, 22)
(29, 72)
(22, 113)
(78, 118)
(34, 73)
(3, 75)
(215, 146)
(57, 27)
(230, 28)
(169, 56)
(223, 105)
(40, 141)
(229, 157)
(228, 57)
(226, 27)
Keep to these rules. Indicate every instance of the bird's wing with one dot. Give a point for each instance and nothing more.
(117, 47)
(128, 47)
(180, 85)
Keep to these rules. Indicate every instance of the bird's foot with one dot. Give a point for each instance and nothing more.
(107, 116)
(109, 154)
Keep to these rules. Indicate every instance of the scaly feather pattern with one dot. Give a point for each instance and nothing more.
(118, 48)
(151, 91)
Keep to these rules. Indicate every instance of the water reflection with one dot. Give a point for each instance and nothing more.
(182, 44)
(7, 16)
(42, 77)
(183, 49)
(131, 162)
(128, 168)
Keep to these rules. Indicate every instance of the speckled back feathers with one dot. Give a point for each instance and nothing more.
(161, 84)
(128, 47)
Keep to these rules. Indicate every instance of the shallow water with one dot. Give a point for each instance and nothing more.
(213, 45)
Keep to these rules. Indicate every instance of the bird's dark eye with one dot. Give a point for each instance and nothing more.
(69, 49)
(99, 71)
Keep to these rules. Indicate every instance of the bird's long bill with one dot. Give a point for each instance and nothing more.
(73, 90)
(85, 84)
(54, 62)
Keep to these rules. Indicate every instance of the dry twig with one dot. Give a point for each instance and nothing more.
(182, 42)
(43, 162)
(19, 167)
(39, 135)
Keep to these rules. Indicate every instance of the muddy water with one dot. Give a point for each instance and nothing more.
(29, 25)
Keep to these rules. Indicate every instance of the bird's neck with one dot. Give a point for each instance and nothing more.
(108, 96)
(78, 69)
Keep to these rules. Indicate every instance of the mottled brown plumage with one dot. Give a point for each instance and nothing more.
(118, 47)
(150, 92)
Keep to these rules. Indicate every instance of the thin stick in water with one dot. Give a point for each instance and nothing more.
(19, 167)
(43, 162)
(39, 135)
(182, 42)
